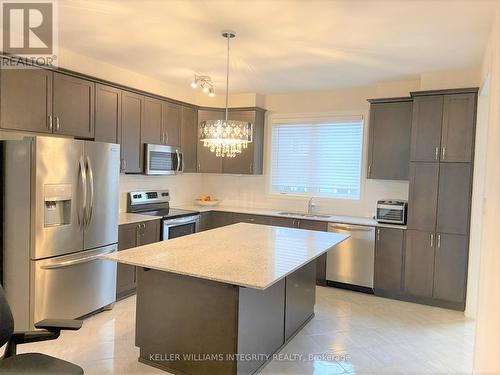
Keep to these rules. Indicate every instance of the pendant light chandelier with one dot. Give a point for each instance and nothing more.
(227, 138)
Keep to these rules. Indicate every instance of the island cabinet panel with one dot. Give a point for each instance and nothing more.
(129, 236)
(450, 272)
(389, 139)
(389, 250)
(260, 323)
(457, 137)
(208, 162)
(426, 128)
(300, 297)
(108, 103)
(186, 315)
(130, 134)
(151, 124)
(419, 263)
(423, 195)
(171, 124)
(26, 100)
(189, 138)
(73, 101)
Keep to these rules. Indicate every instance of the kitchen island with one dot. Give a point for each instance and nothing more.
(223, 301)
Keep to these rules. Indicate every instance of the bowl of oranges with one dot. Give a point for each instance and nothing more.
(207, 201)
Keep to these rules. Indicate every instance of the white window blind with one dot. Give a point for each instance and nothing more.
(320, 159)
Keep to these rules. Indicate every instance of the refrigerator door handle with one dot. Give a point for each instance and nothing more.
(90, 206)
(83, 181)
(69, 263)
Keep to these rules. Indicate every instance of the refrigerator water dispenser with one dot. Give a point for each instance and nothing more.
(57, 204)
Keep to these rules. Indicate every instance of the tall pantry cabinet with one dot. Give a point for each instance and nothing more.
(441, 165)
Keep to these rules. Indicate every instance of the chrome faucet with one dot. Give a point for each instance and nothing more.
(310, 206)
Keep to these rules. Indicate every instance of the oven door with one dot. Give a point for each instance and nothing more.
(162, 160)
(179, 227)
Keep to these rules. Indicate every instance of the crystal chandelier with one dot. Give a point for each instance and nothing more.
(227, 138)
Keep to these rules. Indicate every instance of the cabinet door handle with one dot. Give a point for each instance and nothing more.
(58, 124)
(378, 234)
(432, 239)
(49, 123)
(369, 170)
(251, 167)
(199, 166)
(437, 153)
(439, 241)
(166, 136)
(443, 153)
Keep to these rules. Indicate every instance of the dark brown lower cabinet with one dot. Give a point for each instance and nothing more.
(389, 249)
(450, 267)
(220, 219)
(252, 219)
(133, 235)
(419, 263)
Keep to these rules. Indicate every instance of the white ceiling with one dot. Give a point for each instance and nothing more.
(281, 45)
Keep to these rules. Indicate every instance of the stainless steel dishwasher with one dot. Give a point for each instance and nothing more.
(352, 261)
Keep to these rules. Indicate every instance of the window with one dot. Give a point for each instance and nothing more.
(317, 158)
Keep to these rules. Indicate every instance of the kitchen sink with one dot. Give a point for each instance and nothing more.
(298, 214)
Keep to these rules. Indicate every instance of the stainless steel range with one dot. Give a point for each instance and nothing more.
(175, 223)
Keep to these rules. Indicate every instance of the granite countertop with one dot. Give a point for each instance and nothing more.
(243, 254)
(128, 218)
(269, 212)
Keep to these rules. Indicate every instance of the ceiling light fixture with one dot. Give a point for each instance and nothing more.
(204, 82)
(227, 138)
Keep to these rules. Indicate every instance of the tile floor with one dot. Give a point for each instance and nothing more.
(352, 333)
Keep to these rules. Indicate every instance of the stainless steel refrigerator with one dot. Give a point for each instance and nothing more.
(60, 214)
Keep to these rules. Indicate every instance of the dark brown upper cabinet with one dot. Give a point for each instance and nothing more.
(250, 160)
(171, 124)
(457, 137)
(130, 134)
(73, 106)
(26, 100)
(454, 198)
(443, 126)
(151, 124)
(208, 162)
(108, 102)
(189, 138)
(389, 138)
(426, 128)
(423, 196)
(389, 249)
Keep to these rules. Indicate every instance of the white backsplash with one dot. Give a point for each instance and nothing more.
(183, 188)
(251, 191)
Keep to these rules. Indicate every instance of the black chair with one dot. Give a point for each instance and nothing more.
(32, 363)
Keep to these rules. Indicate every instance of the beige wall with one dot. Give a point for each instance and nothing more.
(487, 348)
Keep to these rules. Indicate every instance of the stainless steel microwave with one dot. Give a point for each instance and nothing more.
(162, 160)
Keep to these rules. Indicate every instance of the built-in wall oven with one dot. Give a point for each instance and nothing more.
(175, 222)
(162, 160)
